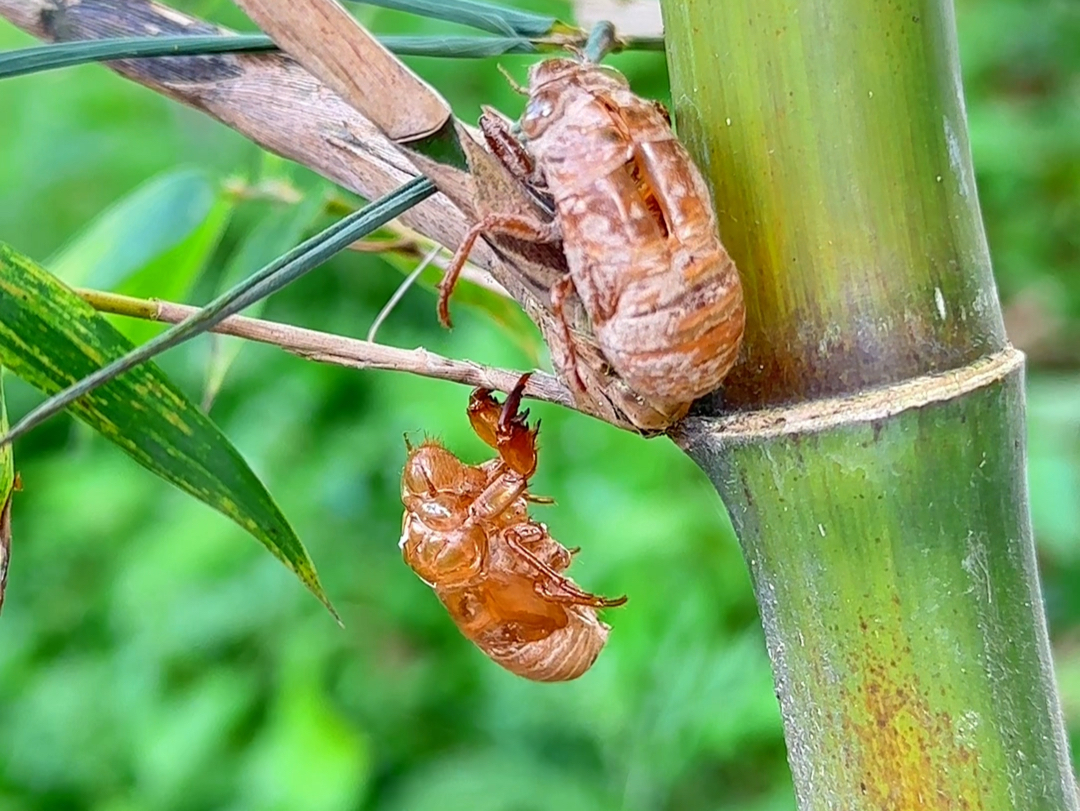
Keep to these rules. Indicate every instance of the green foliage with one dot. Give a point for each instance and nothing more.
(7, 489)
(50, 338)
(277, 232)
(152, 659)
(152, 243)
(279, 273)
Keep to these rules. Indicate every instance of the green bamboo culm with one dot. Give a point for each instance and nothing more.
(873, 458)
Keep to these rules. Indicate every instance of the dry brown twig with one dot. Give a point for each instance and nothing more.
(338, 350)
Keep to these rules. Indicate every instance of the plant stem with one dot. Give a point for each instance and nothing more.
(874, 466)
(895, 573)
(338, 350)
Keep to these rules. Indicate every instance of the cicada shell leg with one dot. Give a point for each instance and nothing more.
(510, 225)
(560, 292)
(505, 146)
(505, 428)
(559, 588)
(510, 80)
(566, 591)
(539, 543)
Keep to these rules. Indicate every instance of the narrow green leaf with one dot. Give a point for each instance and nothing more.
(7, 459)
(7, 489)
(483, 16)
(452, 47)
(274, 235)
(282, 271)
(504, 311)
(51, 338)
(153, 242)
(172, 275)
(68, 54)
(152, 219)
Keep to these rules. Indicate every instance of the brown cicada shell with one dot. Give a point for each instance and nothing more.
(637, 226)
(467, 533)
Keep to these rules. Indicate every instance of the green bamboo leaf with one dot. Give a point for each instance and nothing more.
(273, 236)
(7, 459)
(483, 16)
(504, 311)
(173, 274)
(154, 218)
(458, 47)
(57, 55)
(7, 489)
(153, 242)
(67, 54)
(51, 339)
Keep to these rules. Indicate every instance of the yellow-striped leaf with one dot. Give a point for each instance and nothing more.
(51, 338)
(7, 488)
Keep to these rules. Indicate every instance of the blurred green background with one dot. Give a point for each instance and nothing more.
(153, 657)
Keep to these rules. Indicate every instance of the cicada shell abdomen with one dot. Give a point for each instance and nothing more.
(531, 636)
(562, 655)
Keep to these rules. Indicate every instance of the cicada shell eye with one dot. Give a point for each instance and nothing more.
(542, 109)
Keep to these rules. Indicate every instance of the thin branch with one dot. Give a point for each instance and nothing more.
(338, 350)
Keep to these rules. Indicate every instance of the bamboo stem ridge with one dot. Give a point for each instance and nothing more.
(895, 573)
(872, 405)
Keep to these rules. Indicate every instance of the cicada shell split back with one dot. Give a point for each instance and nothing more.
(467, 533)
(638, 229)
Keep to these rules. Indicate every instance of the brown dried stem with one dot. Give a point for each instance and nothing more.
(338, 350)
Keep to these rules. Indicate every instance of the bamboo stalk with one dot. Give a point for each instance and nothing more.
(875, 468)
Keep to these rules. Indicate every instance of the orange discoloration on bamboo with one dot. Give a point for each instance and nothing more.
(904, 751)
